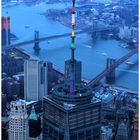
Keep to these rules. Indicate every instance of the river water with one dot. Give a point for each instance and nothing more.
(93, 54)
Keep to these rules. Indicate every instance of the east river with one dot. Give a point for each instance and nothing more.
(93, 54)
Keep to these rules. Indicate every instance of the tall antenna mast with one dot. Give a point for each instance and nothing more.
(72, 77)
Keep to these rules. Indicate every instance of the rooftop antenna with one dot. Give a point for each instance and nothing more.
(72, 77)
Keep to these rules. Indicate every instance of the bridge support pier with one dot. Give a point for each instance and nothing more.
(110, 77)
(36, 42)
(104, 34)
(94, 36)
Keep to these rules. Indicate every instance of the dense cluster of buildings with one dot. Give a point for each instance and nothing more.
(94, 15)
(118, 112)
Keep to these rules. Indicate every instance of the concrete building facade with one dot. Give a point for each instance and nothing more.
(18, 121)
(35, 80)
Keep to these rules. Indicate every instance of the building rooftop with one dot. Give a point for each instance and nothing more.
(18, 75)
(27, 102)
(60, 94)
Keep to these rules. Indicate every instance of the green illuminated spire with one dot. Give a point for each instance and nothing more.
(33, 115)
(73, 46)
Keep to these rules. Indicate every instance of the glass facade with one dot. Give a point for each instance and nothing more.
(79, 123)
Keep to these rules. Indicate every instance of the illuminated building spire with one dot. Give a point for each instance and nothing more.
(33, 115)
(72, 77)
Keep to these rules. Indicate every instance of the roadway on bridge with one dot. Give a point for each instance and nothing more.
(55, 37)
(106, 71)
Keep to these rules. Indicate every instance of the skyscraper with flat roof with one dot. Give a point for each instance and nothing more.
(18, 121)
(35, 80)
(71, 118)
(34, 125)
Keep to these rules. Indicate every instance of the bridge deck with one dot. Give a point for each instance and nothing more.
(57, 36)
(118, 62)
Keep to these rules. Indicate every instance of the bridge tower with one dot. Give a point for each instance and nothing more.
(36, 42)
(95, 27)
(104, 34)
(94, 36)
(110, 77)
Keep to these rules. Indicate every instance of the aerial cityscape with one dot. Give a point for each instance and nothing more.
(69, 69)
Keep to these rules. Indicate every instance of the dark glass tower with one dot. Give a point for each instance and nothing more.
(71, 118)
(34, 125)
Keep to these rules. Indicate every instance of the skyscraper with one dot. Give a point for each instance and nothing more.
(34, 126)
(70, 112)
(74, 117)
(5, 31)
(35, 80)
(18, 121)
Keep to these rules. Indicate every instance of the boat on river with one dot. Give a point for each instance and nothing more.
(130, 62)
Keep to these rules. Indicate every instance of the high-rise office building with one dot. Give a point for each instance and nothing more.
(35, 80)
(70, 111)
(34, 126)
(71, 118)
(51, 75)
(5, 31)
(18, 121)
